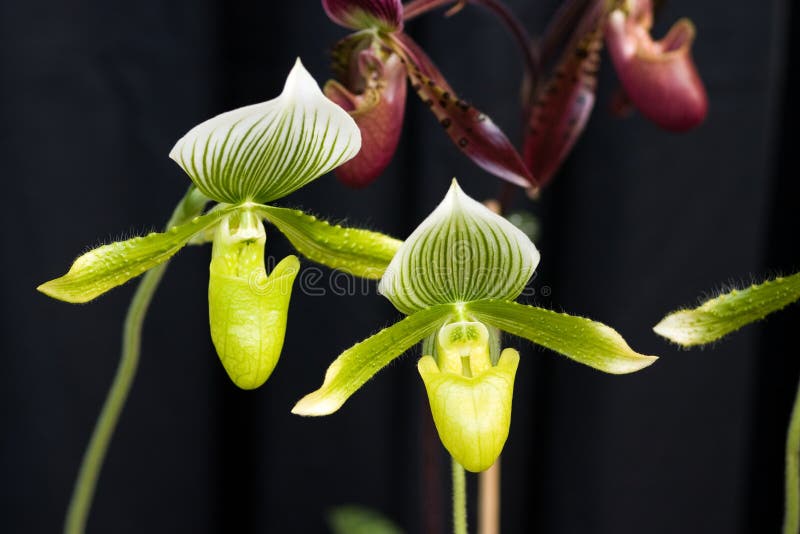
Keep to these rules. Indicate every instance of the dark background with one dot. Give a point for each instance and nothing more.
(640, 222)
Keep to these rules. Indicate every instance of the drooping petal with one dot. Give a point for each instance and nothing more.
(352, 250)
(472, 414)
(378, 111)
(383, 15)
(265, 151)
(461, 252)
(112, 265)
(360, 362)
(563, 105)
(583, 340)
(659, 77)
(247, 309)
(729, 312)
(472, 131)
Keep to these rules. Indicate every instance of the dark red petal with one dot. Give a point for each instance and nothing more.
(562, 106)
(378, 111)
(659, 77)
(386, 15)
(473, 132)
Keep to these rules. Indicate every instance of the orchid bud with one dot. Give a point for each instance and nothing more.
(470, 398)
(246, 308)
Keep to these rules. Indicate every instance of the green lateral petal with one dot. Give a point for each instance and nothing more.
(360, 362)
(722, 315)
(247, 310)
(112, 265)
(265, 151)
(461, 252)
(583, 340)
(355, 251)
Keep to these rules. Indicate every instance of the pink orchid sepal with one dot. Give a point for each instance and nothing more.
(659, 77)
(385, 15)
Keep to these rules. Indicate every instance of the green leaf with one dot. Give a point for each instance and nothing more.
(265, 151)
(360, 362)
(461, 252)
(354, 519)
(726, 313)
(109, 266)
(247, 310)
(355, 251)
(583, 340)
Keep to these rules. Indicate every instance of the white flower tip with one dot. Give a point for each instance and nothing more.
(637, 363)
(299, 82)
(314, 404)
(676, 328)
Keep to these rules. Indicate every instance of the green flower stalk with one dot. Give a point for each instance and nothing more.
(242, 160)
(456, 278)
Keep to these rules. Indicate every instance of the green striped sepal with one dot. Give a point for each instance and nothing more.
(460, 253)
(265, 151)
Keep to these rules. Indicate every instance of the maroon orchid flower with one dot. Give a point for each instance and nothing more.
(658, 77)
(370, 68)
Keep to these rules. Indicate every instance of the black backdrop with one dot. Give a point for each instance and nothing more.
(92, 96)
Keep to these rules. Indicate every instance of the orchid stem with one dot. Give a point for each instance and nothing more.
(489, 500)
(82, 494)
(791, 520)
(459, 499)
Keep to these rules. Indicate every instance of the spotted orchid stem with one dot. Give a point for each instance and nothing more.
(82, 494)
(416, 8)
(459, 498)
(791, 520)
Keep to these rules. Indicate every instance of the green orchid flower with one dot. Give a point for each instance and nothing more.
(456, 278)
(243, 160)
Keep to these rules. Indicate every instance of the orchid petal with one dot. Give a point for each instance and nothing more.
(583, 340)
(471, 131)
(247, 309)
(265, 151)
(461, 252)
(352, 250)
(729, 312)
(472, 414)
(563, 105)
(112, 265)
(359, 363)
(384, 15)
(659, 76)
(378, 111)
